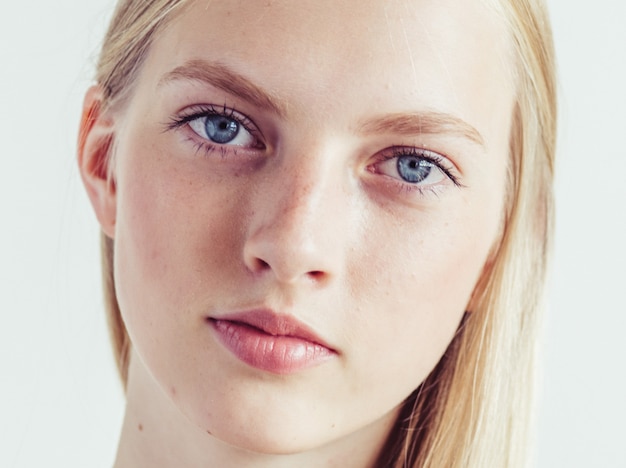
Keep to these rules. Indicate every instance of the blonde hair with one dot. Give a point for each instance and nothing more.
(475, 408)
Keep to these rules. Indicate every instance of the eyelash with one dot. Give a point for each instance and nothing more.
(440, 162)
(207, 110)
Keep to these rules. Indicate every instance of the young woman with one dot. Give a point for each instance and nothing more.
(325, 227)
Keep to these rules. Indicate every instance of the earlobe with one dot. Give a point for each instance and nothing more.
(95, 144)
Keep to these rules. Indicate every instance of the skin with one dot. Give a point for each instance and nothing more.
(309, 221)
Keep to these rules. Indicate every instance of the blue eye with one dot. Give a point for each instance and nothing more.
(414, 169)
(220, 129)
(415, 166)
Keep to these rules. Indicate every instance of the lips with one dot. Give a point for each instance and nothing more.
(271, 342)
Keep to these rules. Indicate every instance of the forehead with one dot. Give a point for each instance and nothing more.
(356, 55)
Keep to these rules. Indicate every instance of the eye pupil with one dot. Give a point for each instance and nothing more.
(221, 129)
(413, 169)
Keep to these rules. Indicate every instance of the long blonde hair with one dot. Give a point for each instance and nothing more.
(474, 409)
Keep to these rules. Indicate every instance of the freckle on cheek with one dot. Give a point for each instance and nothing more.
(173, 392)
(140, 427)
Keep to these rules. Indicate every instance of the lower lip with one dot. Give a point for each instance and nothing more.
(276, 354)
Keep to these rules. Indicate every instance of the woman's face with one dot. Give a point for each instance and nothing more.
(306, 195)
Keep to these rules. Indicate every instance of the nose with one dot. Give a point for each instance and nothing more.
(298, 224)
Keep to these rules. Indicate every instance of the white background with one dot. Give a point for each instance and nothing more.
(60, 401)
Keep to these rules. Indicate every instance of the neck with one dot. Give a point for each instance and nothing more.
(156, 433)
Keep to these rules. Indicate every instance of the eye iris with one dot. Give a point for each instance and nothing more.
(413, 169)
(221, 129)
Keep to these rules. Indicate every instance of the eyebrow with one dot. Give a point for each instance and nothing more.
(410, 124)
(226, 79)
(420, 123)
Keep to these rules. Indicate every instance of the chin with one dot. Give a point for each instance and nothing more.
(269, 442)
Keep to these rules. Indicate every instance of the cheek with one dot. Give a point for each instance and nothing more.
(169, 228)
(425, 271)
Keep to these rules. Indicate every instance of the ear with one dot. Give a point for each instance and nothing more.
(95, 142)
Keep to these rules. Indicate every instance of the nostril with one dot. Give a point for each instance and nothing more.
(258, 265)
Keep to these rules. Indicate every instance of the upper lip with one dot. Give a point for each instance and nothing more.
(276, 324)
